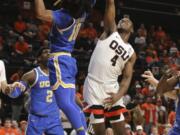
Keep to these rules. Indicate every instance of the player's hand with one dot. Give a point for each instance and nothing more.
(18, 84)
(8, 89)
(149, 77)
(111, 100)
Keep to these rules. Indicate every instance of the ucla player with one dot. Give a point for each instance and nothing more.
(44, 114)
(66, 23)
(170, 82)
(113, 56)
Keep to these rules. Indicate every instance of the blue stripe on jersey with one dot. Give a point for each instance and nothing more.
(42, 100)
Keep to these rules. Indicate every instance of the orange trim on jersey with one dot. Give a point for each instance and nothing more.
(114, 113)
(94, 111)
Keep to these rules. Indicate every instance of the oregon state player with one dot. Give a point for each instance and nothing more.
(113, 56)
(44, 116)
(66, 23)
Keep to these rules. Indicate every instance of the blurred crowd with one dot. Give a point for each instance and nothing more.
(146, 113)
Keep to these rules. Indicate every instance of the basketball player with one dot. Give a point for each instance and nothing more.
(113, 56)
(66, 24)
(44, 116)
(169, 81)
(3, 82)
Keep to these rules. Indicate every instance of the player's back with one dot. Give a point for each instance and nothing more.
(63, 39)
(109, 58)
(42, 100)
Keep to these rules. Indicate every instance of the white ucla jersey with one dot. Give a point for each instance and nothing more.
(109, 58)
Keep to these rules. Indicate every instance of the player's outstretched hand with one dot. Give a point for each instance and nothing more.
(11, 87)
(149, 77)
(19, 85)
(111, 100)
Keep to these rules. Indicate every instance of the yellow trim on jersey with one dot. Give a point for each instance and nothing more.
(58, 77)
(65, 29)
(60, 54)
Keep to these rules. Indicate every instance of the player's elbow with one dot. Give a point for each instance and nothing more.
(39, 15)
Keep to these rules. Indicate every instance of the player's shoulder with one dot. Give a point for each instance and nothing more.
(108, 36)
(30, 74)
(1, 62)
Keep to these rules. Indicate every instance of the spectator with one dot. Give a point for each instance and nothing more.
(139, 130)
(43, 31)
(16, 76)
(128, 130)
(149, 114)
(154, 131)
(171, 117)
(21, 47)
(23, 126)
(19, 25)
(30, 32)
(11, 38)
(143, 30)
(138, 112)
(7, 130)
(15, 126)
(162, 116)
(140, 40)
(160, 33)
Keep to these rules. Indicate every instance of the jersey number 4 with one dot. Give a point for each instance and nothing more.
(120, 52)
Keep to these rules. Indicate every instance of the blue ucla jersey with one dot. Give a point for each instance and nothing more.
(42, 100)
(177, 122)
(64, 31)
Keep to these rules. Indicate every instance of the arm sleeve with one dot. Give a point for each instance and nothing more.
(2, 72)
(17, 91)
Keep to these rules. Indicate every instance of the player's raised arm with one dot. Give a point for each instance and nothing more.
(109, 17)
(41, 12)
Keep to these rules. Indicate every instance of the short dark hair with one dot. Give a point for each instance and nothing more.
(40, 51)
(76, 8)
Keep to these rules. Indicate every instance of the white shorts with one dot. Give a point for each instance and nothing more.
(94, 94)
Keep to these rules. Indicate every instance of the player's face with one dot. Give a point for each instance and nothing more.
(126, 24)
(45, 55)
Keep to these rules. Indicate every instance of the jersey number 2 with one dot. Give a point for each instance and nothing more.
(49, 96)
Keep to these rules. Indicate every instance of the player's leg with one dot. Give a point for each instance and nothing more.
(95, 114)
(64, 101)
(83, 118)
(116, 118)
(119, 128)
(35, 126)
(99, 128)
(54, 126)
(64, 68)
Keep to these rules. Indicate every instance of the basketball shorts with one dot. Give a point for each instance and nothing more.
(62, 70)
(94, 94)
(50, 125)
